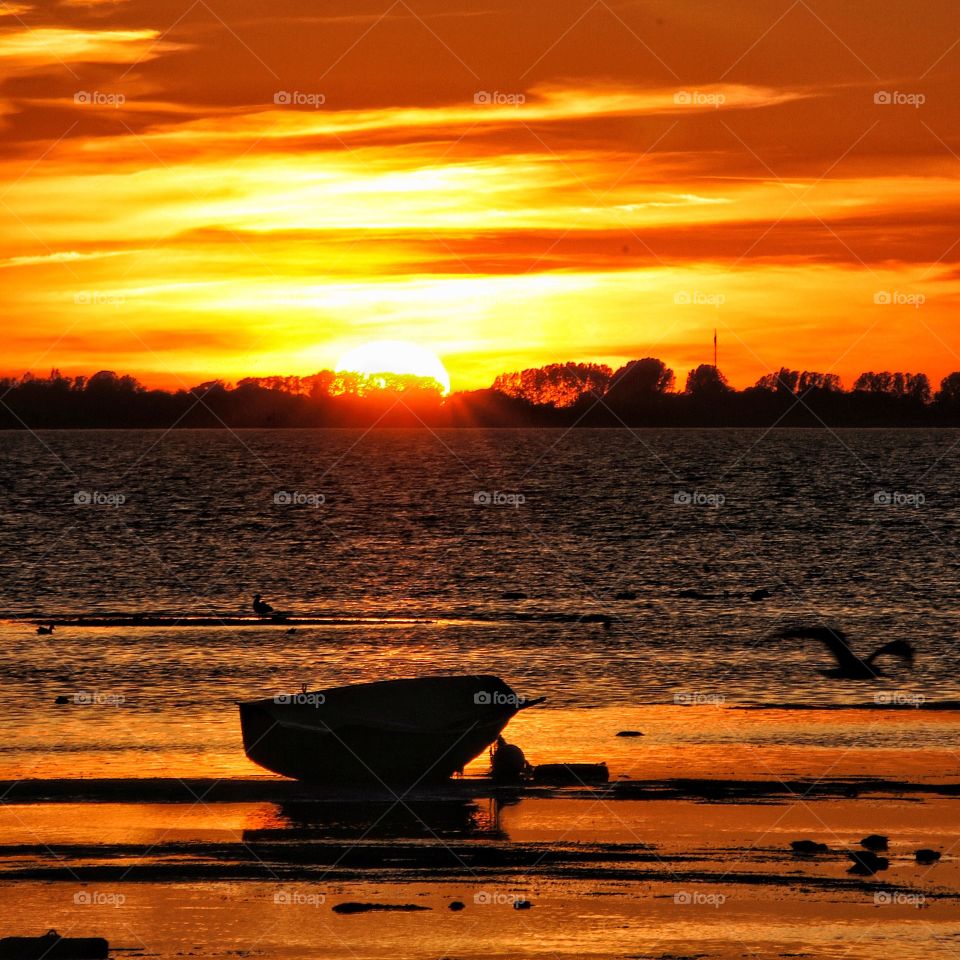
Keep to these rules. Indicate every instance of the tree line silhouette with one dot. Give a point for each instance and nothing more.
(641, 393)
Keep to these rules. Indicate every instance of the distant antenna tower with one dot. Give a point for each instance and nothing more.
(714, 348)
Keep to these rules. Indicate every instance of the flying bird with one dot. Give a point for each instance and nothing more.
(849, 665)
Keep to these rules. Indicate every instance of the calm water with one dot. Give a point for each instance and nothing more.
(387, 525)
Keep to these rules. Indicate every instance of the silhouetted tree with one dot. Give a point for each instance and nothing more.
(641, 379)
(913, 386)
(811, 380)
(559, 384)
(784, 381)
(706, 381)
(949, 395)
(792, 381)
(917, 387)
(638, 394)
(106, 383)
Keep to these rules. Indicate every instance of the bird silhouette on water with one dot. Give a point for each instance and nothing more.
(849, 665)
(261, 607)
(45, 631)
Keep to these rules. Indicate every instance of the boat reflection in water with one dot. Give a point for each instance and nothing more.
(390, 732)
(306, 820)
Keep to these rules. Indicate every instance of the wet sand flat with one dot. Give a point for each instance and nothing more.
(272, 920)
(604, 877)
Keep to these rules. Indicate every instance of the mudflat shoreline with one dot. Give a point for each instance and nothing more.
(271, 789)
(647, 870)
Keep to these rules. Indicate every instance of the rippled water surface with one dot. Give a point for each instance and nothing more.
(412, 537)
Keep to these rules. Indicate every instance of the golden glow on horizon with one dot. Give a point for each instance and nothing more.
(397, 357)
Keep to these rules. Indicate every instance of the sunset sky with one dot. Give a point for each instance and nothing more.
(191, 190)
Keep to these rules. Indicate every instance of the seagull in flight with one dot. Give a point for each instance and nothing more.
(849, 665)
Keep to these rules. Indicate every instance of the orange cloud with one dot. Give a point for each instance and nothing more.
(35, 47)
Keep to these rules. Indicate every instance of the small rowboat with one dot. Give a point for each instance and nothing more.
(388, 732)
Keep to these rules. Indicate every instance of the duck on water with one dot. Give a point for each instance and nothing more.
(261, 606)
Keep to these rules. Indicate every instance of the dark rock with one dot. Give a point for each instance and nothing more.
(629, 733)
(927, 856)
(865, 863)
(875, 842)
(807, 847)
(456, 905)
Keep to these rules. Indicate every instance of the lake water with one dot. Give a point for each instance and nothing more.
(410, 538)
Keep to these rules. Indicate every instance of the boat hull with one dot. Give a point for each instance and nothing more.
(392, 732)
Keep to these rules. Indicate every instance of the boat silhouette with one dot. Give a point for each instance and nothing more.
(408, 732)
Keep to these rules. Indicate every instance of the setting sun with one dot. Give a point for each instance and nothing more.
(397, 357)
